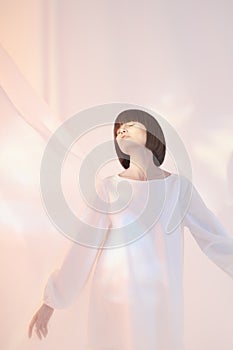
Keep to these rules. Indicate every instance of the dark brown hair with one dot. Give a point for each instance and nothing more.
(155, 140)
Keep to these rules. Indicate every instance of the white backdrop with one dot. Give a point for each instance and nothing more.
(172, 57)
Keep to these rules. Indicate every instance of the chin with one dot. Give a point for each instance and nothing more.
(127, 145)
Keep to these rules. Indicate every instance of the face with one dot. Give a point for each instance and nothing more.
(131, 134)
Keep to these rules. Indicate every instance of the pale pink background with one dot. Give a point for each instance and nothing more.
(172, 57)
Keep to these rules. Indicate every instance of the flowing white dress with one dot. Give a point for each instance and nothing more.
(136, 293)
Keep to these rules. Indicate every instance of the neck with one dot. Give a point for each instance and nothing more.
(142, 165)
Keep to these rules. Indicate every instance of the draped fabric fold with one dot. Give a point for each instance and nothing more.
(209, 233)
(31, 108)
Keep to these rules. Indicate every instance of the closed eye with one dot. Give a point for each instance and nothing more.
(131, 124)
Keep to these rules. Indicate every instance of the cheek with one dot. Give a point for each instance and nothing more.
(142, 136)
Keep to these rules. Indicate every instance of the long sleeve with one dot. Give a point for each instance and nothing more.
(209, 233)
(66, 283)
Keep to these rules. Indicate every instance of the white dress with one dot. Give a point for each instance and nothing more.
(136, 293)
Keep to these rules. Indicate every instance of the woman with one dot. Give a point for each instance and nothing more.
(136, 295)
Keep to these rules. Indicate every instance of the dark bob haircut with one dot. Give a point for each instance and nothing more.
(155, 138)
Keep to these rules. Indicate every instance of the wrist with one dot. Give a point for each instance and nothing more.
(48, 306)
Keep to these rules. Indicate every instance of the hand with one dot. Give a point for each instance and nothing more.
(40, 321)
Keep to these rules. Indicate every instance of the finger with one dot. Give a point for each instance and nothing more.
(42, 328)
(38, 333)
(46, 330)
(33, 321)
(30, 329)
(43, 331)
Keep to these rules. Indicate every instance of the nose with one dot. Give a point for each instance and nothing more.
(123, 131)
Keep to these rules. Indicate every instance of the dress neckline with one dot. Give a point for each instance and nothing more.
(144, 181)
